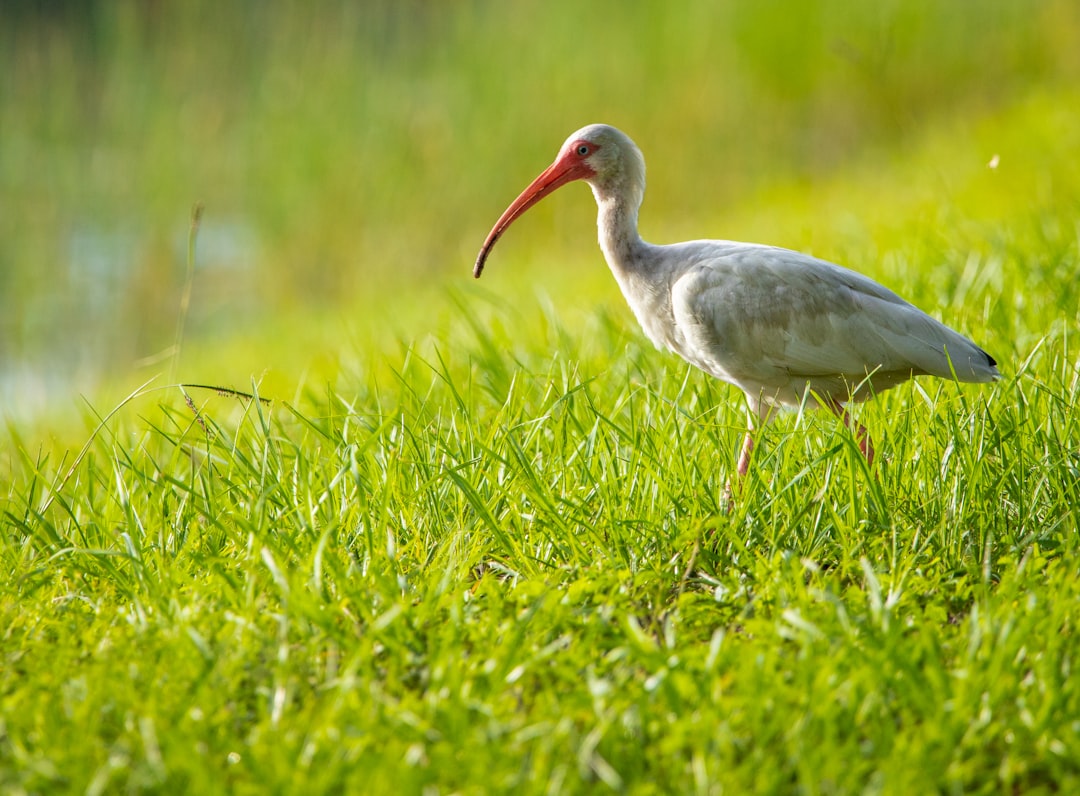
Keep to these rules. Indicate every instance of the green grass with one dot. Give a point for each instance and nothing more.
(491, 567)
(474, 538)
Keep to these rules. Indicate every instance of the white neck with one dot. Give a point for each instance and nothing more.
(616, 221)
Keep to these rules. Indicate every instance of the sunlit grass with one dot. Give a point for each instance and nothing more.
(499, 568)
(490, 566)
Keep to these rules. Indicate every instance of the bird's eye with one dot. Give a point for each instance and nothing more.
(583, 149)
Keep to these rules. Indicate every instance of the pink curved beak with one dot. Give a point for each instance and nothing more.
(566, 168)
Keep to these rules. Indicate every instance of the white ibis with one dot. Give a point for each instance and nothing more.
(786, 328)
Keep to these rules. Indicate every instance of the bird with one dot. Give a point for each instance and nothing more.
(788, 329)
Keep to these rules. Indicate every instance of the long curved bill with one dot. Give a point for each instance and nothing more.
(558, 174)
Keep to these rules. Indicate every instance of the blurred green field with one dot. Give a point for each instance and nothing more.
(352, 158)
(474, 539)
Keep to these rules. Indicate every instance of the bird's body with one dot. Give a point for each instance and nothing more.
(788, 329)
(777, 323)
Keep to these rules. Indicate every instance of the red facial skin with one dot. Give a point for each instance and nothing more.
(571, 164)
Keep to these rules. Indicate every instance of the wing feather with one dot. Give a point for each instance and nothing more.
(768, 318)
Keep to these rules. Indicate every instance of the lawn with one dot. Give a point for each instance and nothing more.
(435, 535)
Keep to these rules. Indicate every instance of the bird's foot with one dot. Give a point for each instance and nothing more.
(727, 499)
(733, 489)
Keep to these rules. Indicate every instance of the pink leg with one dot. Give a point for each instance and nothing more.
(866, 446)
(759, 416)
(744, 455)
(742, 469)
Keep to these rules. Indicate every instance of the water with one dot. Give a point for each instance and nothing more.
(109, 312)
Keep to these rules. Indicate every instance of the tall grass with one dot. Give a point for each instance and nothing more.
(503, 569)
(350, 151)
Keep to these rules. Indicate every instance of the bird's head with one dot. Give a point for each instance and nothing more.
(601, 155)
(607, 155)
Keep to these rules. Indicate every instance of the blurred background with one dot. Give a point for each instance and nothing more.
(351, 156)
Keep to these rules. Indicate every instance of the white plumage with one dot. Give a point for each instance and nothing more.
(786, 328)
